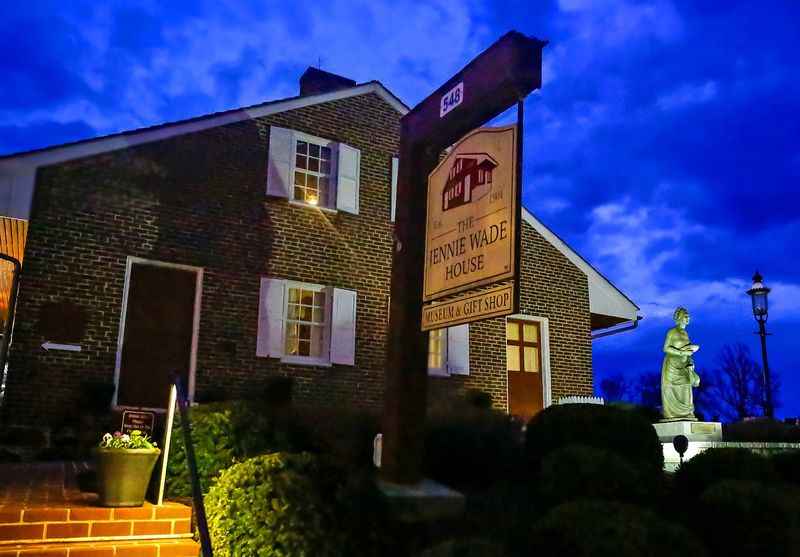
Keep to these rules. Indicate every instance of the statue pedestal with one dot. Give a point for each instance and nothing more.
(694, 431)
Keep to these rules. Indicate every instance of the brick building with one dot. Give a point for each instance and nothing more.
(255, 243)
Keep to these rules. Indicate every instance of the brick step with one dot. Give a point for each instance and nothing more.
(119, 548)
(20, 524)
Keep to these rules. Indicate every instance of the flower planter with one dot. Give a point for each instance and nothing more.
(123, 475)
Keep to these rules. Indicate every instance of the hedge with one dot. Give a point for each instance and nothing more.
(717, 464)
(579, 472)
(623, 432)
(270, 506)
(744, 518)
(607, 529)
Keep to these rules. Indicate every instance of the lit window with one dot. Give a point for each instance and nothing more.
(437, 346)
(312, 173)
(305, 322)
(523, 347)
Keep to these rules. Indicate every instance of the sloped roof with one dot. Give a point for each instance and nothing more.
(18, 170)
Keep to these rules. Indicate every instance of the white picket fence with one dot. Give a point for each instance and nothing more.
(581, 400)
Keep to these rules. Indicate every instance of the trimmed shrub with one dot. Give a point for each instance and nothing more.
(464, 548)
(471, 447)
(579, 472)
(745, 518)
(714, 465)
(787, 465)
(761, 430)
(270, 505)
(214, 439)
(623, 432)
(600, 528)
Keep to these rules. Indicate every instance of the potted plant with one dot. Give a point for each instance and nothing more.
(124, 466)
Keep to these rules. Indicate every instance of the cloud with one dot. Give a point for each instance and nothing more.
(688, 94)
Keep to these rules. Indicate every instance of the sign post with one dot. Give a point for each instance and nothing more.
(497, 79)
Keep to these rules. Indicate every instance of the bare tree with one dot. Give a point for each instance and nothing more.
(735, 387)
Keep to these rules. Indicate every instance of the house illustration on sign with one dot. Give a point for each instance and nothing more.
(470, 179)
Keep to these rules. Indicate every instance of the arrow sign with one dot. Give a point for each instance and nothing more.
(55, 346)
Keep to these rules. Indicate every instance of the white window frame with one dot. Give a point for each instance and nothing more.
(544, 330)
(333, 177)
(198, 296)
(326, 347)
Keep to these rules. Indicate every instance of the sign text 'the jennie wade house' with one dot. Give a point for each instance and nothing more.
(471, 218)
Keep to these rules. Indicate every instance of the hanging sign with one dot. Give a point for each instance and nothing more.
(472, 214)
(468, 307)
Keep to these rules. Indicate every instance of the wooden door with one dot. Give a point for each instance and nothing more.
(159, 324)
(524, 365)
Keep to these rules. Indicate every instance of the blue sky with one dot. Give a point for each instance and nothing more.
(663, 145)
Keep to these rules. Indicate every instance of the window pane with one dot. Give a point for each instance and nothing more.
(305, 332)
(531, 359)
(531, 333)
(302, 147)
(304, 348)
(292, 313)
(294, 295)
(512, 331)
(323, 186)
(319, 299)
(317, 337)
(307, 297)
(299, 178)
(325, 167)
(300, 162)
(512, 358)
(435, 352)
(318, 317)
(313, 150)
(325, 153)
(299, 193)
(313, 165)
(311, 183)
(305, 313)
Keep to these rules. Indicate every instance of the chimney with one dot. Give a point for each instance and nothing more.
(315, 81)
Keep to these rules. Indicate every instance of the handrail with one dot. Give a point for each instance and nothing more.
(197, 492)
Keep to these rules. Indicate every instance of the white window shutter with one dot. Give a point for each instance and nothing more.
(279, 162)
(349, 173)
(343, 327)
(395, 169)
(458, 349)
(271, 309)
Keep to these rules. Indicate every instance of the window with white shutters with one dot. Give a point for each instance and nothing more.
(305, 323)
(313, 171)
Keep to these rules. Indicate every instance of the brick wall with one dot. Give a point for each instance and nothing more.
(199, 199)
(551, 287)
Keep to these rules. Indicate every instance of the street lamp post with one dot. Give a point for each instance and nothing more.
(758, 294)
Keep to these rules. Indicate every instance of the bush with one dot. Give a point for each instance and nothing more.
(471, 447)
(270, 505)
(214, 440)
(464, 548)
(626, 433)
(578, 472)
(714, 465)
(599, 529)
(761, 430)
(787, 465)
(744, 518)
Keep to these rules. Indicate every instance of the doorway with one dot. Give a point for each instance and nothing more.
(158, 332)
(527, 365)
